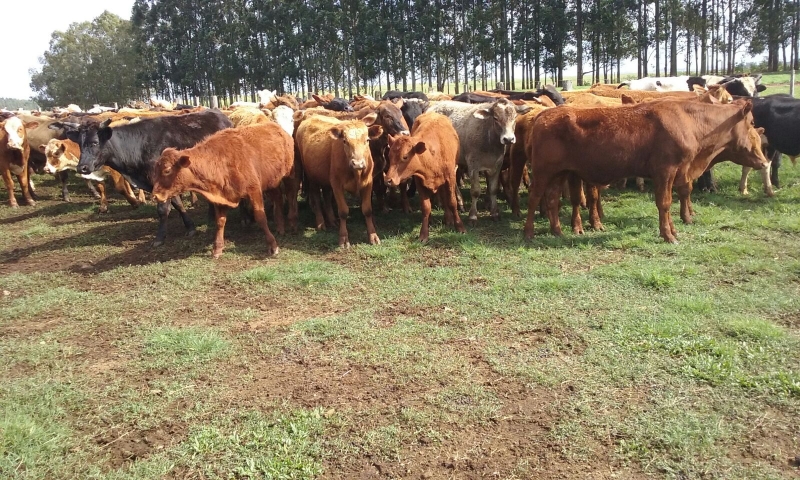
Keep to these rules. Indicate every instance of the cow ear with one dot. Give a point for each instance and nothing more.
(760, 88)
(399, 102)
(419, 148)
(183, 161)
(523, 109)
(370, 119)
(61, 149)
(319, 99)
(746, 108)
(481, 113)
(42, 148)
(375, 132)
(336, 133)
(104, 133)
(390, 139)
(73, 135)
(31, 125)
(760, 130)
(699, 90)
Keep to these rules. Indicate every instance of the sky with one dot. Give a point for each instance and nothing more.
(29, 40)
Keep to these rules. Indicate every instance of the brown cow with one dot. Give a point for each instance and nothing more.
(228, 166)
(63, 155)
(429, 155)
(14, 153)
(335, 156)
(670, 141)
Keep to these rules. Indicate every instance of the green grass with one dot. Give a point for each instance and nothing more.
(472, 355)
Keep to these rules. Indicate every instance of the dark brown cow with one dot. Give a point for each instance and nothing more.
(429, 155)
(14, 153)
(335, 156)
(670, 141)
(228, 166)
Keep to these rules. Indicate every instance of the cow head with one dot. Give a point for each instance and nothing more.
(170, 174)
(355, 136)
(502, 116)
(390, 117)
(15, 134)
(91, 138)
(57, 158)
(404, 159)
(746, 147)
(413, 108)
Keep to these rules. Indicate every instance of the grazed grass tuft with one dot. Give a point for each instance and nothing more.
(180, 347)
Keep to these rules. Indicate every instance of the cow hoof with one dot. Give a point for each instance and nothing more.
(271, 252)
(191, 233)
(157, 243)
(770, 193)
(216, 255)
(65, 198)
(103, 210)
(31, 203)
(599, 227)
(423, 239)
(460, 228)
(14, 205)
(374, 240)
(344, 245)
(578, 231)
(745, 192)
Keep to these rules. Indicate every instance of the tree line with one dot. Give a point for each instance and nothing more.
(184, 49)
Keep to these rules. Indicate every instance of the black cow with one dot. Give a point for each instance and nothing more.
(469, 97)
(395, 94)
(133, 150)
(413, 108)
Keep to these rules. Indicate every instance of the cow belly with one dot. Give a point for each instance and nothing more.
(15, 169)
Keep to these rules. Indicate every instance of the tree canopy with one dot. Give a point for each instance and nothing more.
(91, 62)
(183, 49)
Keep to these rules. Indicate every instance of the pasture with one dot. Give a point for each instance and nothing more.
(608, 355)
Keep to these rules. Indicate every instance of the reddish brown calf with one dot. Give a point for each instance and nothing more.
(231, 165)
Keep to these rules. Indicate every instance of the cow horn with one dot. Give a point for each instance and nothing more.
(64, 125)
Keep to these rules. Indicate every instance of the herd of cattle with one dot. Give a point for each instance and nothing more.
(569, 144)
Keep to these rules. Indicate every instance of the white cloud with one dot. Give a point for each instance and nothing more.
(26, 41)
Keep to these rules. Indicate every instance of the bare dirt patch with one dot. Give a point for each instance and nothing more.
(126, 446)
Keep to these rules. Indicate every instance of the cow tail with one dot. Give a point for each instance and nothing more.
(624, 84)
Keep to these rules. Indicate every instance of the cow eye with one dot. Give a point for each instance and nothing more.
(94, 144)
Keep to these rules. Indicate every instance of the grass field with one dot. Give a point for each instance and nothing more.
(609, 355)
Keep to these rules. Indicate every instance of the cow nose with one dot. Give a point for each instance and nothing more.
(405, 132)
(388, 180)
(358, 164)
(84, 169)
(508, 140)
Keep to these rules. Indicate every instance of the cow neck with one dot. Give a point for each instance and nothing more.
(124, 160)
(713, 137)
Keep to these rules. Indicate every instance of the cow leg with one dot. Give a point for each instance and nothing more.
(475, 193)
(291, 186)
(31, 186)
(425, 207)
(344, 210)
(505, 184)
(327, 206)
(776, 164)
(315, 200)
(553, 197)
(277, 210)
(12, 201)
(516, 174)
(193, 198)
(122, 186)
(685, 195)
(663, 193)
(187, 221)
(221, 217)
(493, 184)
(405, 200)
(765, 179)
(575, 195)
(25, 185)
(380, 189)
(103, 200)
(640, 183)
(140, 196)
(366, 209)
(163, 209)
(535, 193)
(450, 203)
(743, 180)
(92, 189)
(257, 199)
(62, 178)
(595, 207)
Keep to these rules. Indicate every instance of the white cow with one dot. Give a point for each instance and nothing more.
(659, 84)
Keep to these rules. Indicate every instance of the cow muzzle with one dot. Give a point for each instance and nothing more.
(14, 145)
(159, 197)
(508, 139)
(84, 169)
(50, 169)
(390, 181)
(358, 164)
(406, 133)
